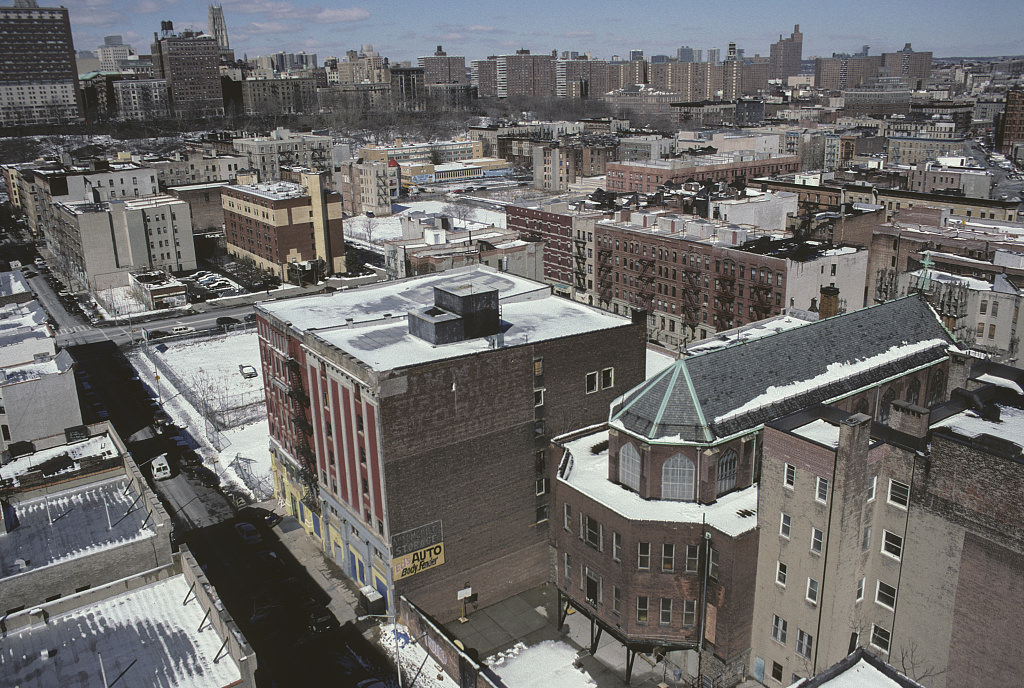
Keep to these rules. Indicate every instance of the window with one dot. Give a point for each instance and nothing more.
(871, 488)
(666, 611)
(677, 478)
(542, 513)
(568, 568)
(777, 671)
(991, 331)
(689, 612)
(865, 541)
(616, 546)
(780, 574)
(616, 600)
(567, 516)
(804, 643)
(816, 539)
(629, 467)
(668, 557)
(899, 493)
(713, 565)
(692, 553)
(880, 638)
(727, 471)
(542, 486)
(860, 590)
(984, 307)
(594, 533)
(538, 366)
(779, 628)
(790, 479)
(593, 586)
(822, 492)
(885, 595)
(785, 526)
(641, 610)
(643, 555)
(607, 378)
(591, 382)
(995, 309)
(812, 591)
(892, 544)
(538, 397)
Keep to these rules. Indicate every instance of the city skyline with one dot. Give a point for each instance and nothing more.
(259, 27)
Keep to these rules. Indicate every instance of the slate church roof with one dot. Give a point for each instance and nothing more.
(716, 394)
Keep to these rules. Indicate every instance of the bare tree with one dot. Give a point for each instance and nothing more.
(368, 227)
(459, 211)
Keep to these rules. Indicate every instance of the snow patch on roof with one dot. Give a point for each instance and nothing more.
(549, 663)
(820, 431)
(833, 373)
(588, 474)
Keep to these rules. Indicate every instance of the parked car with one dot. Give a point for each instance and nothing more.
(248, 533)
(225, 320)
(321, 619)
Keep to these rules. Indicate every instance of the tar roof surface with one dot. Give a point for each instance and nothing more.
(719, 393)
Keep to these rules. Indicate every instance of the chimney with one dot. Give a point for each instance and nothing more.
(909, 418)
(829, 303)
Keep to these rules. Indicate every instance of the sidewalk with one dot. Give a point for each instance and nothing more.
(527, 618)
(342, 590)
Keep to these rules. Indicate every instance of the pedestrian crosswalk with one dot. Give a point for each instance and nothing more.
(74, 328)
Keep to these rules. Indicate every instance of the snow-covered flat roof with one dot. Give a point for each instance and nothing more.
(75, 523)
(860, 675)
(820, 431)
(746, 333)
(387, 344)
(276, 191)
(61, 363)
(148, 635)
(370, 303)
(588, 475)
(99, 445)
(1010, 425)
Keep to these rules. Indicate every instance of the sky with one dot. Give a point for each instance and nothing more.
(407, 30)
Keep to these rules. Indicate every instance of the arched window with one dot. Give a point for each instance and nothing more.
(862, 407)
(938, 387)
(727, 471)
(886, 407)
(677, 478)
(913, 391)
(629, 467)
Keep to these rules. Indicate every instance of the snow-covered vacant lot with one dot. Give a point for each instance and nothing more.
(224, 412)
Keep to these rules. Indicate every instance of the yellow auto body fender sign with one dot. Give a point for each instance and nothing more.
(418, 561)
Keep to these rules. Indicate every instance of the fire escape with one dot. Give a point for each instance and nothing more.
(689, 304)
(604, 276)
(299, 412)
(580, 264)
(761, 297)
(724, 297)
(645, 282)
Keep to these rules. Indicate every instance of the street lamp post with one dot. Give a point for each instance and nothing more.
(394, 629)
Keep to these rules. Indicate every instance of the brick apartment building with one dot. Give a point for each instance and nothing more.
(188, 61)
(554, 226)
(696, 277)
(275, 224)
(650, 176)
(907, 525)
(653, 517)
(409, 423)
